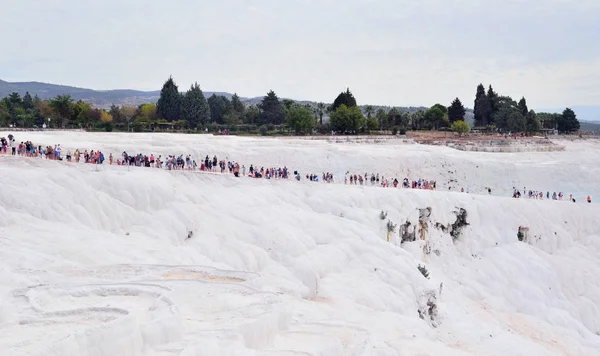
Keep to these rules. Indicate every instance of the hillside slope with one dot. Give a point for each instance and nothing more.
(99, 98)
(97, 260)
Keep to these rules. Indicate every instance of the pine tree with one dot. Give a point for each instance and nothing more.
(272, 112)
(456, 111)
(345, 98)
(194, 107)
(523, 106)
(482, 107)
(27, 101)
(567, 122)
(237, 104)
(168, 106)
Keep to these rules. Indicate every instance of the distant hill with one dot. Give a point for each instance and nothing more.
(98, 98)
(105, 98)
(590, 126)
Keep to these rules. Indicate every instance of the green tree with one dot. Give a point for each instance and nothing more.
(81, 113)
(434, 117)
(115, 112)
(372, 123)
(63, 108)
(482, 107)
(300, 119)
(232, 118)
(548, 120)
(194, 107)
(505, 107)
(460, 126)
(523, 106)
(369, 110)
(219, 106)
(456, 111)
(532, 124)
(567, 122)
(237, 104)
(417, 119)
(36, 100)
(5, 117)
(271, 110)
(515, 121)
(252, 115)
(344, 98)
(347, 120)
(14, 100)
(441, 107)
(382, 119)
(27, 101)
(492, 98)
(394, 117)
(169, 102)
(287, 104)
(320, 111)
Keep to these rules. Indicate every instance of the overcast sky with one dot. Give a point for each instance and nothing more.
(392, 52)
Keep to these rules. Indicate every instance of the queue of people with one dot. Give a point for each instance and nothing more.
(178, 162)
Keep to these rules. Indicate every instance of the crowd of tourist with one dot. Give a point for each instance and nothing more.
(173, 162)
(539, 195)
(374, 180)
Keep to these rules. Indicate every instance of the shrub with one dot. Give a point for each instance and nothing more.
(402, 131)
(383, 215)
(460, 127)
(394, 131)
(263, 130)
(137, 127)
(520, 236)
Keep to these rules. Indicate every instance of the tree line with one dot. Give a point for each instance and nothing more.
(501, 113)
(191, 110)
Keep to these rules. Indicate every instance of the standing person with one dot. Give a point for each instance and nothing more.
(589, 199)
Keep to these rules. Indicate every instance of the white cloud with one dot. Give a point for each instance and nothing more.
(387, 52)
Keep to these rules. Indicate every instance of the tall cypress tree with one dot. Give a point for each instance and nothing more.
(168, 106)
(482, 107)
(523, 106)
(194, 107)
(492, 98)
(237, 104)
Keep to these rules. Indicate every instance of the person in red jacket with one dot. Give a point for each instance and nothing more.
(589, 199)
